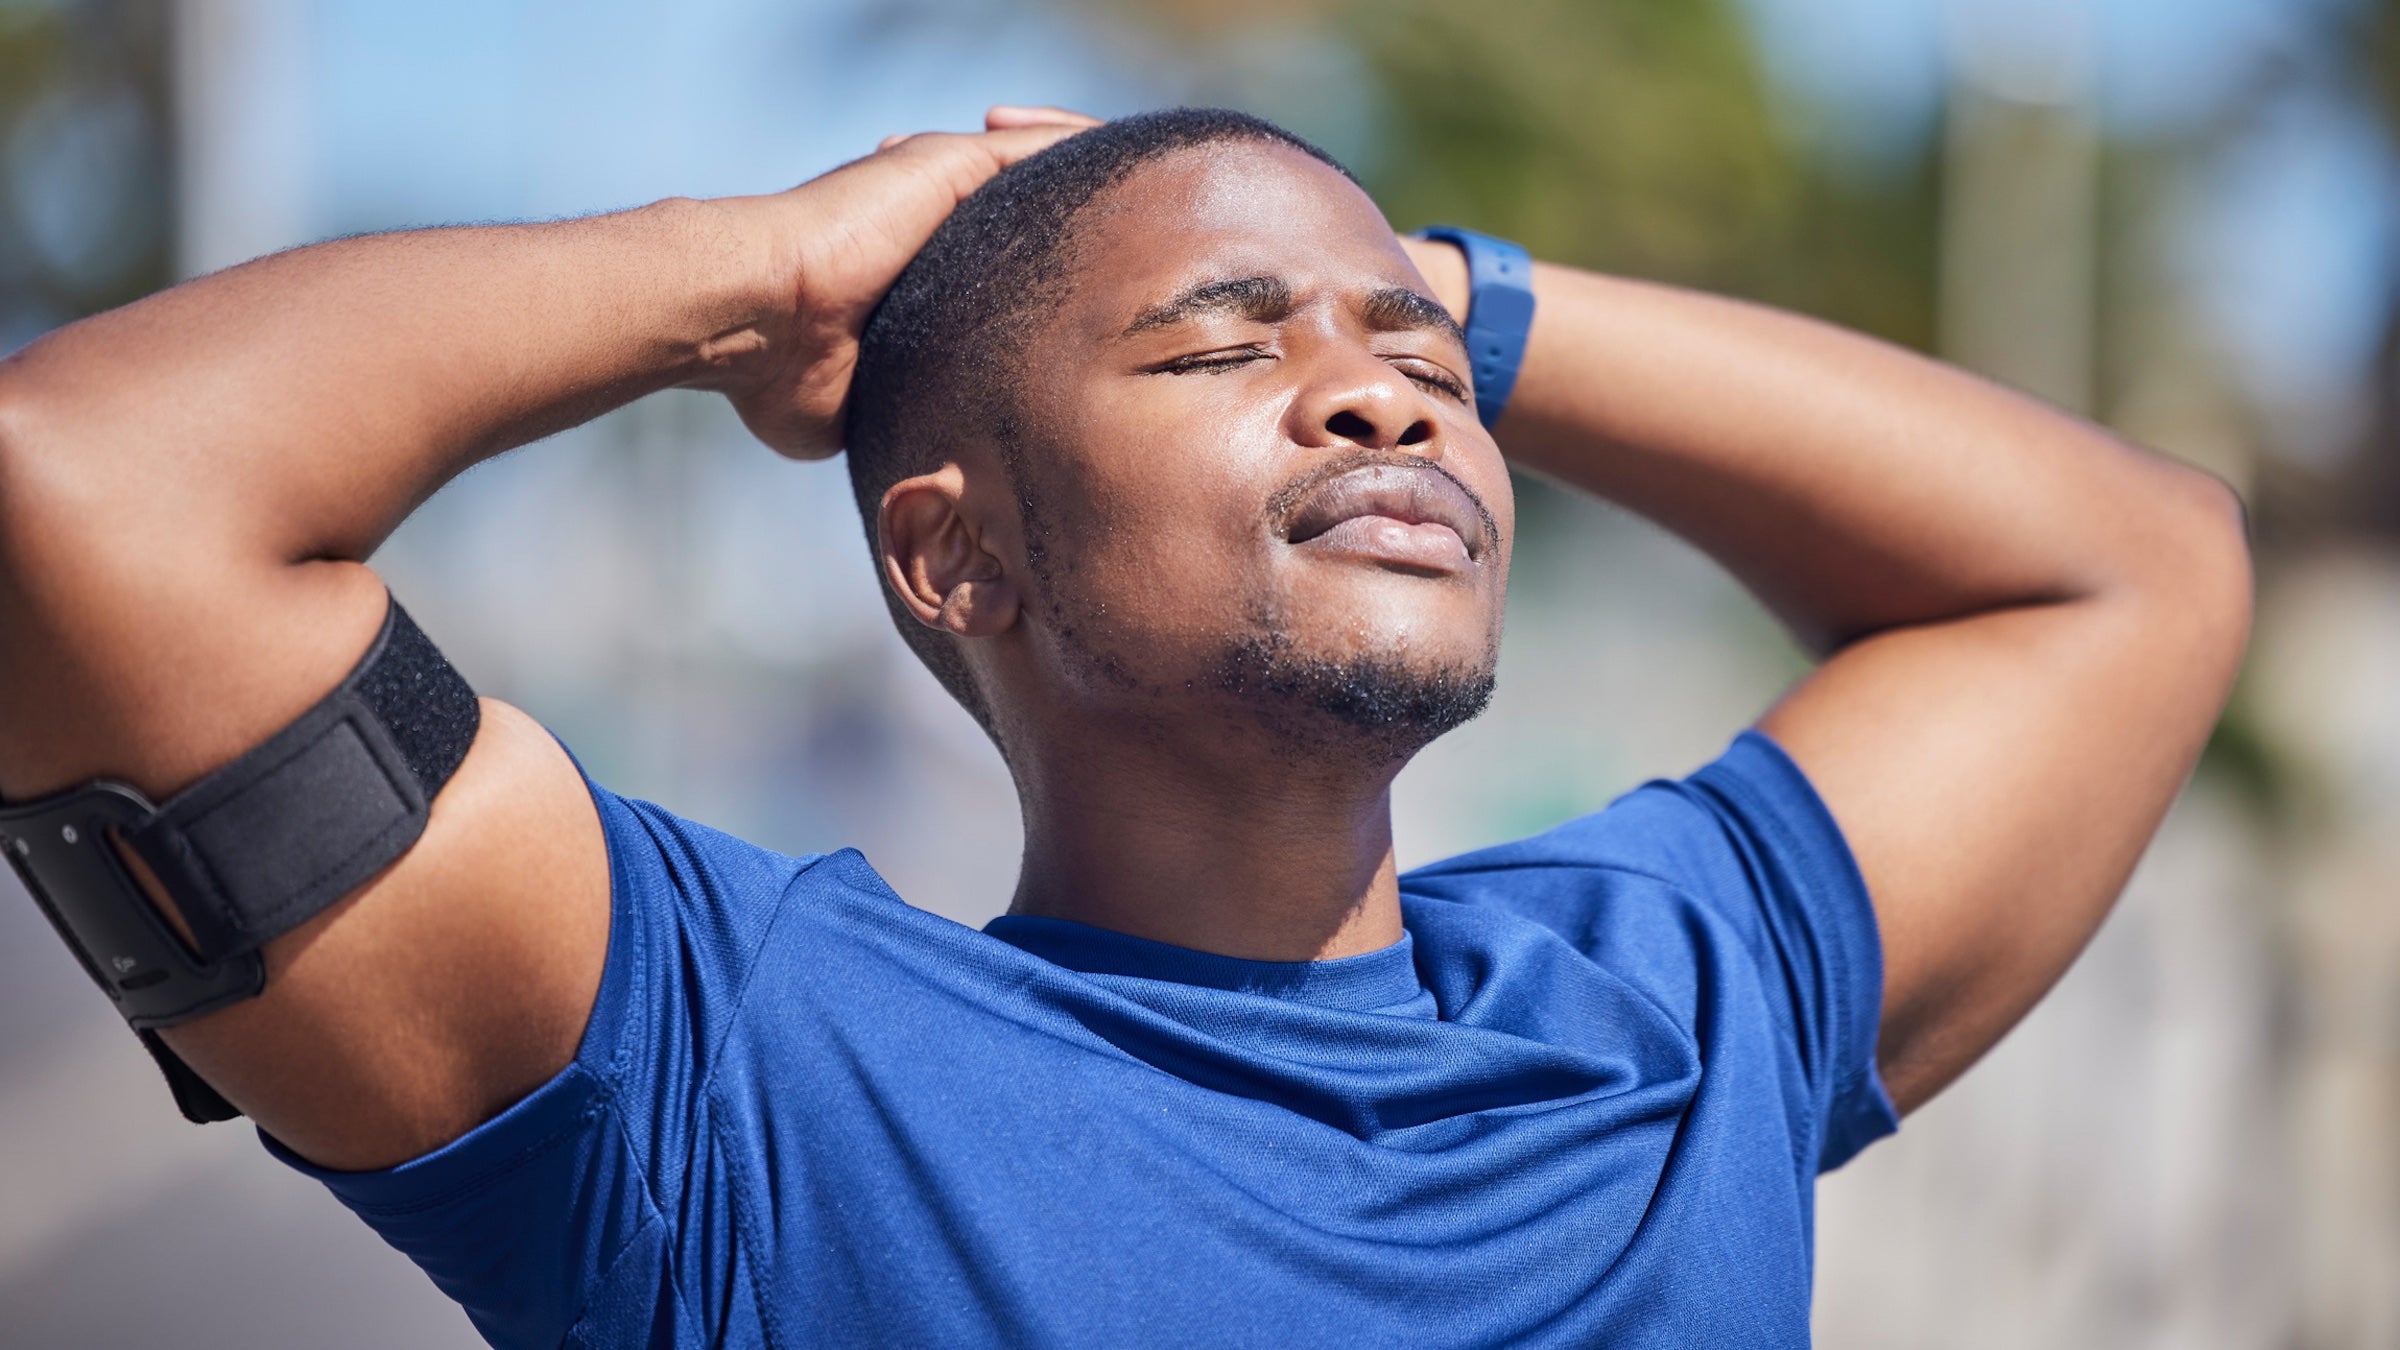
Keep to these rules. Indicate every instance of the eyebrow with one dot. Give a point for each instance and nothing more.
(1263, 299)
(1396, 308)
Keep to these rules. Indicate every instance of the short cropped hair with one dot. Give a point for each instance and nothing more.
(942, 354)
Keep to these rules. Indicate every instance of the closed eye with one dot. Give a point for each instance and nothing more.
(1432, 377)
(1222, 359)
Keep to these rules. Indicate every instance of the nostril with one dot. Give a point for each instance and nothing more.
(1350, 426)
(1418, 433)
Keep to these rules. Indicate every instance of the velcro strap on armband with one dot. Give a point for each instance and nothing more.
(250, 852)
(274, 838)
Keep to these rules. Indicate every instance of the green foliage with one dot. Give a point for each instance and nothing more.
(1639, 137)
(2243, 757)
(1633, 136)
(61, 65)
(2377, 47)
(32, 45)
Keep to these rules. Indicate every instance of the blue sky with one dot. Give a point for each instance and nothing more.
(473, 109)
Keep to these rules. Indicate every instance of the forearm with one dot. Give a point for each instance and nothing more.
(2032, 625)
(1853, 486)
(187, 483)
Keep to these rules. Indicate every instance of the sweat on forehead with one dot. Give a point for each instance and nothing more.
(937, 355)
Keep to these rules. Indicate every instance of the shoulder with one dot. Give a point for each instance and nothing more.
(658, 858)
(706, 925)
(1738, 860)
(693, 912)
(726, 896)
(1723, 828)
(1734, 887)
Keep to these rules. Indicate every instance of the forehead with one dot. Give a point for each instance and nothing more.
(1229, 210)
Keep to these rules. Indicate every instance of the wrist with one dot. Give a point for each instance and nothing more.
(1498, 317)
(741, 280)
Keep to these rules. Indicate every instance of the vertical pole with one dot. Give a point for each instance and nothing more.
(243, 132)
(2020, 199)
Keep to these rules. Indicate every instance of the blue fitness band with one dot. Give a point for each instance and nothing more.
(1499, 312)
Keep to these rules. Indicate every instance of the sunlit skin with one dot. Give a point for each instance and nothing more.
(1242, 322)
(2025, 626)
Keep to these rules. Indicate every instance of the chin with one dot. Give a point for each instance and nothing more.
(1377, 704)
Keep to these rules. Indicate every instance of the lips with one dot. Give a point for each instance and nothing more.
(1410, 514)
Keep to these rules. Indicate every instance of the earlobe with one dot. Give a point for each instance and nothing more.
(933, 556)
(979, 608)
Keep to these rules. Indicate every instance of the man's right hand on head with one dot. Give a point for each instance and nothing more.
(182, 566)
(841, 240)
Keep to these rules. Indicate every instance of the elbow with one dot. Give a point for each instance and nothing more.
(42, 506)
(2219, 554)
(42, 454)
(2197, 574)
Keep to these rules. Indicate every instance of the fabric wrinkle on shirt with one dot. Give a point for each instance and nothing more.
(1583, 1100)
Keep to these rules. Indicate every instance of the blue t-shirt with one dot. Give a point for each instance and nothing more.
(1583, 1101)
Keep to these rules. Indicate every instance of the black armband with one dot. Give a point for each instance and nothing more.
(250, 852)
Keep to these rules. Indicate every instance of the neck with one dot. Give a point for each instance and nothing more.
(1252, 856)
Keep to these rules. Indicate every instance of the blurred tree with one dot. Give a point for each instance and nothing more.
(1639, 137)
(85, 173)
(1634, 136)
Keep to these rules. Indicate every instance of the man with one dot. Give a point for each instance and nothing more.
(1170, 458)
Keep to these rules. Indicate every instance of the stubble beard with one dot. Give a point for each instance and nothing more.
(1367, 710)
(1378, 707)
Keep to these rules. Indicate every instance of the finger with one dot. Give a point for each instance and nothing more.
(1010, 144)
(1006, 116)
(983, 153)
(963, 160)
(889, 141)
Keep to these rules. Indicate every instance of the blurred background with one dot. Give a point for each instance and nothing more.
(2179, 217)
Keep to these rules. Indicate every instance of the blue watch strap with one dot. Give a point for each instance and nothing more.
(1499, 312)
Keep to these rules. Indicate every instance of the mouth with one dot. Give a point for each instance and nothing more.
(1407, 515)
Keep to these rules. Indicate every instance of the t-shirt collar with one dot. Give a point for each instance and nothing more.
(1369, 981)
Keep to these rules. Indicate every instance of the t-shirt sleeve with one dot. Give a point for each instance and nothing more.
(1747, 841)
(549, 1224)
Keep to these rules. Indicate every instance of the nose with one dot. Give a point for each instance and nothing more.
(1358, 401)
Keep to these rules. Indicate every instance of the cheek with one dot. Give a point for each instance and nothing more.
(1158, 513)
(1159, 551)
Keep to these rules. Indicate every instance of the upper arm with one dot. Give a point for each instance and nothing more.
(451, 984)
(151, 638)
(1999, 775)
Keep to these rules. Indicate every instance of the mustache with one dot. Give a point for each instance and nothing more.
(1285, 506)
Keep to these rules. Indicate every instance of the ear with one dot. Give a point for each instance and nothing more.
(933, 553)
